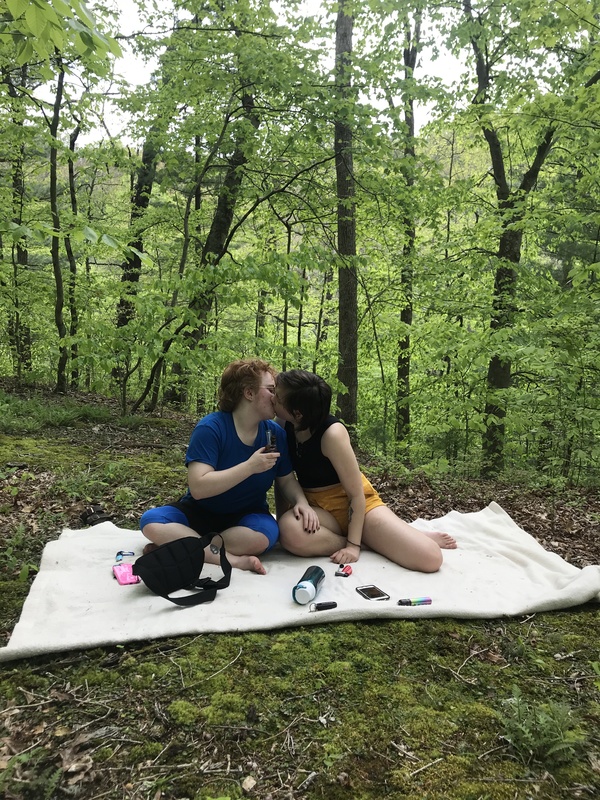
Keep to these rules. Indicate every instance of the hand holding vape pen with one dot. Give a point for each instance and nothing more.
(415, 601)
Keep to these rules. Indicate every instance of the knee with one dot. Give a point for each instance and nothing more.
(291, 535)
(150, 529)
(145, 519)
(432, 561)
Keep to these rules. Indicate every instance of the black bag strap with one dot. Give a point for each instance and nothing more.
(207, 587)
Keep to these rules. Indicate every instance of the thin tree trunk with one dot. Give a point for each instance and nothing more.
(411, 51)
(323, 322)
(72, 284)
(259, 327)
(301, 311)
(346, 222)
(18, 331)
(59, 301)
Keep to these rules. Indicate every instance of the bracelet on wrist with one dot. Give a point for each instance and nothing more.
(353, 544)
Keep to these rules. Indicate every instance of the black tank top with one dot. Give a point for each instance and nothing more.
(312, 468)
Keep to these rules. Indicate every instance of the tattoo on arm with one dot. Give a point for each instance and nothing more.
(350, 512)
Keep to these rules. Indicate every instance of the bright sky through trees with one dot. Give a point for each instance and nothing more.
(446, 67)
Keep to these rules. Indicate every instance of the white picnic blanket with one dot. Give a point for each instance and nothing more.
(497, 570)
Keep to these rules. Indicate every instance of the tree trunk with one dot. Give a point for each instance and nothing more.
(301, 311)
(511, 208)
(411, 51)
(346, 222)
(323, 322)
(19, 332)
(259, 326)
(131, 268)
(71, 287)
(59, 301)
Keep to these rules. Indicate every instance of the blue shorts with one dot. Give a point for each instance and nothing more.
(206, 522)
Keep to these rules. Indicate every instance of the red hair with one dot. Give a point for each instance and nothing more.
(239, 376)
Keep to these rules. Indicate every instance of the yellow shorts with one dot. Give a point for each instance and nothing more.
(335, 500)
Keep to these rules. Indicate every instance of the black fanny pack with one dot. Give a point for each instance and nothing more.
(177, 565)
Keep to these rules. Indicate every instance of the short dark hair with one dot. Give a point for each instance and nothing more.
(299, 390)
(239, 376)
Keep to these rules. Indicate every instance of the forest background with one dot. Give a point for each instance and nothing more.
(274, 197)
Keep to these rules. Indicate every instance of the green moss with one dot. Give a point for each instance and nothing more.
(147, 751)
(13, 595)
(339, 670)
(102, 677)
(184, 713)
(225, 707)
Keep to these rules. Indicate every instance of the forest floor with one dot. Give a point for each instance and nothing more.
(493, 709)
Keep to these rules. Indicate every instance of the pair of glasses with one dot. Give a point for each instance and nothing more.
(121, 553)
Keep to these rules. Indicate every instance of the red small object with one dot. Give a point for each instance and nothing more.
(344, 570)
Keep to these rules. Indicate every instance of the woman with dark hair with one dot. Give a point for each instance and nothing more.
(351, 513)
(233, 457)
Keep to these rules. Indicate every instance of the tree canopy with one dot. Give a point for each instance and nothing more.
(468, 299)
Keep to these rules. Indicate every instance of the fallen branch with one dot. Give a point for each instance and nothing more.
(431, 763)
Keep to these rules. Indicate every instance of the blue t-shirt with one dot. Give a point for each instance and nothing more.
(214, 441)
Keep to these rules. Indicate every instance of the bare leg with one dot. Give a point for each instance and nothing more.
(161, 533)
(327, 540)
(395, 539)
(240, 556)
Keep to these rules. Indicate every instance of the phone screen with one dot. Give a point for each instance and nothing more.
(372, 592)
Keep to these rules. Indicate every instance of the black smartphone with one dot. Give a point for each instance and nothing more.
(372, 592)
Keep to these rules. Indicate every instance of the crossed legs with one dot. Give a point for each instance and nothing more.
(243, 545)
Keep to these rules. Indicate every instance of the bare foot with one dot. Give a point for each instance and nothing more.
(443, 540)
(250, 563)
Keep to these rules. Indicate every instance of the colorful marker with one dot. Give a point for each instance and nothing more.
(415, 601)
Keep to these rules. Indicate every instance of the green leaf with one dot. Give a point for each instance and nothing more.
(62, 8)
(36, 19)
(17, 7)
(144, 257)
(48, 12)
(109, 240)
(56, 36)
(83, 12)
(114, 47)
(80, 45)
(25, 52)
(90, 234)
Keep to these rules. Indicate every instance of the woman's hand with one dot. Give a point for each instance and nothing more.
(262, 461)
(309, 517)
(346, 555)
